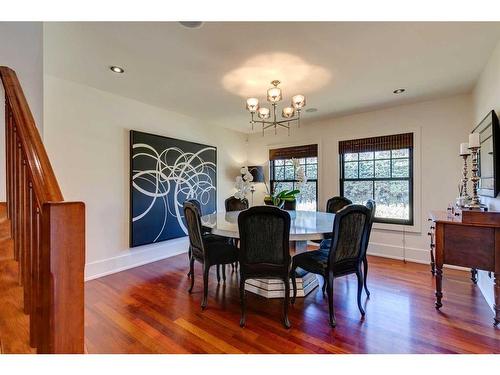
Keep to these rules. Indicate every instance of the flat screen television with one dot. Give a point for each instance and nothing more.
(489, 168)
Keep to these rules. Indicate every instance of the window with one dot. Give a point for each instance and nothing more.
(283, 175)
(380, 168)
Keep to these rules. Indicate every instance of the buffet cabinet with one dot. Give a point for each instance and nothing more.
(468, 239)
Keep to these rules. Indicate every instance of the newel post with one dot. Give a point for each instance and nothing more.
(62, 277)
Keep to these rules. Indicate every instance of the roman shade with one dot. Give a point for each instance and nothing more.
(383, 143)
(297, 152)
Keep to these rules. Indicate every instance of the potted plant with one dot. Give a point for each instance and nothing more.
(287, 199)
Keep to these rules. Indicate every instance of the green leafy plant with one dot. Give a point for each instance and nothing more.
(283, 196)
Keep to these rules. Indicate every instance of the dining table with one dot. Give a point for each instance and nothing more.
(304, 226)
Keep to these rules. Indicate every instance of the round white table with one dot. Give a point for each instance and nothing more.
(304, 226)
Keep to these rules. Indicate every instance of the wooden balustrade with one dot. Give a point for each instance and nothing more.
(48, 232)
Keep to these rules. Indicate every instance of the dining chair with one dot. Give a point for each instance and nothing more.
(235, 204)
(372, 206)
(333, 205)
(344, 257)
(264, 251)
(207, 249)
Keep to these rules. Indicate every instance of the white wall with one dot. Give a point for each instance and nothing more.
(87, 138)
(21, 50)
(439, 127)
(486, 96)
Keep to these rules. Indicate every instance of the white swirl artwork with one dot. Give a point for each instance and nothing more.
(166, 172)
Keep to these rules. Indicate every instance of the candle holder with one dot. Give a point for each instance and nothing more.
(475, 202)
(465, 197)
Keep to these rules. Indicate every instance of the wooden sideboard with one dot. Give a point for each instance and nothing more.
(472, 242)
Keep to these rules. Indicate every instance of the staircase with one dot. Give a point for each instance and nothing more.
(14, 324)
(42, 243)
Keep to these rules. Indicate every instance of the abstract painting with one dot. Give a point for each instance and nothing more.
(164, 172)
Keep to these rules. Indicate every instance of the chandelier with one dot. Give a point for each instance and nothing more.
(268, 120)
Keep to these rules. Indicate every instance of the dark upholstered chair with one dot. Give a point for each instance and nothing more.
(264, 250)
(333, 205)
(344, 256)
(207, 249)
(372, 207)
(235, 204)
(205, 231)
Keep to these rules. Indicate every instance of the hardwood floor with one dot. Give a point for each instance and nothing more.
(148, 310)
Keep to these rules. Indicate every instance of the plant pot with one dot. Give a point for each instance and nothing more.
(290, 205)
(269, 202)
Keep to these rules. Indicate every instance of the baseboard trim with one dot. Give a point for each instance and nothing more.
(135, 257)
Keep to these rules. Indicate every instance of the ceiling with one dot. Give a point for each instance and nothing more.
(341, 67)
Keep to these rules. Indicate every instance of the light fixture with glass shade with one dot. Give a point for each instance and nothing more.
(274, 96)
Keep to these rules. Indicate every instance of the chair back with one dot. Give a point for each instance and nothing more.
(349, 234)
(264, 236)
(335, 204)
(372, 206)
(197, 203)
(235, 204)
(193, 221)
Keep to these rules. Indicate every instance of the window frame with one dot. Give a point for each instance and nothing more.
(410, 179)
(273, 180)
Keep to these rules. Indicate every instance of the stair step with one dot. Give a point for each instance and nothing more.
(6, 249)
(14, 324)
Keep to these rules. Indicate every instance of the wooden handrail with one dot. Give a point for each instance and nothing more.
(42, 172)
(48, 233)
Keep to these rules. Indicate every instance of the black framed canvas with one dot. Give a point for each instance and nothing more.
(489, 168)
(164, 172)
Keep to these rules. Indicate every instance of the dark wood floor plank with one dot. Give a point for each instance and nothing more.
(148, 309)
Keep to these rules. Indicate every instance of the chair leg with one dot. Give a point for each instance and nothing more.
(329, 292)
(218, 274)
(286, 302)
(293, 275)
(189, 258)
(223, 272)
(365, 273)
(242, 302)
(206, 269)
(359, 275)
(191, 272)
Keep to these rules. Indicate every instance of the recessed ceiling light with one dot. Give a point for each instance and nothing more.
(310, 110)
(192, 24)
(399, 91)
(116, 69)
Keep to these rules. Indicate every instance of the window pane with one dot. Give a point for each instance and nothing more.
(289, 172)
(280, 186)
(312, 160)
(400, 168)
(358, 191)
(366, 169)
(382, 168)
(312, 171)
(351, 169)
(351, 157)
(382, 154)
(393, 199)
(288, 162)
(403, 153)
(279, 162)
(302, 161)
(306, 200)
(365, 155)
(279, 173)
